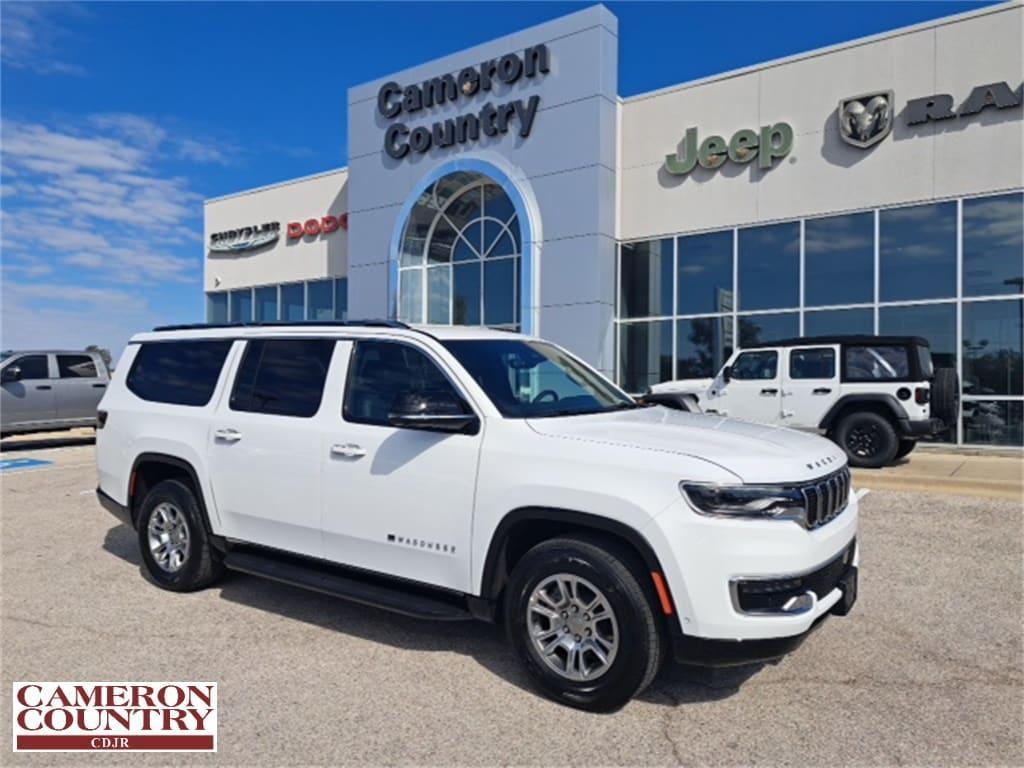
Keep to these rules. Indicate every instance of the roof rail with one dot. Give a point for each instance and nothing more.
(279, 324)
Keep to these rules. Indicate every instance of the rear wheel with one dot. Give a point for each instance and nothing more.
(868, 438)
(906, 446)
(172, 538)
(582, 624)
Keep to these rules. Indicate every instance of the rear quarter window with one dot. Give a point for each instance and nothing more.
(877, 363)
(178, 372)
(76, 367)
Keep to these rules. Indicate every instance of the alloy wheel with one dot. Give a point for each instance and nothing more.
(572, 627)
(169, 539)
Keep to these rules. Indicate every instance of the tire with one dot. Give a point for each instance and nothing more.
(945, 396)
(868, 438)
(171, 513)
(597, 572)
(906, 446)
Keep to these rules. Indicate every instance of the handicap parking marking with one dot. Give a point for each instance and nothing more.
(12, 465)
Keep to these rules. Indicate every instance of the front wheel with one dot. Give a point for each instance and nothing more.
(582, 624)
(868, 438)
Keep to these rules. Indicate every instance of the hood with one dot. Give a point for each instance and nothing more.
(756, 453)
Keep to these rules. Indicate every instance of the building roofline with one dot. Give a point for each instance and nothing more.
(276, 184)
(899, 32)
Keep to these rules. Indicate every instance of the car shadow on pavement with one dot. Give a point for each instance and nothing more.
(22, 444)
(485, 643)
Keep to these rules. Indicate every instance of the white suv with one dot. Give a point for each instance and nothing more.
(875, 396)
(455, 473)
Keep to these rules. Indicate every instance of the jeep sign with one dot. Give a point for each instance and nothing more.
(768, 145)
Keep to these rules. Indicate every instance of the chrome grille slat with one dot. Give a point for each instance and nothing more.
(826, 497)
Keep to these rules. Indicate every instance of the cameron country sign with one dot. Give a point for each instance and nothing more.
(395, 100)
(114, 717)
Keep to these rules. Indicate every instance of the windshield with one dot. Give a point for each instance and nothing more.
(531, 379)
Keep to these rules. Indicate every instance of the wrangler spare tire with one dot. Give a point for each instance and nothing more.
(946, 396)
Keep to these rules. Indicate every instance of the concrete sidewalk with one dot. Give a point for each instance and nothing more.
(991, 475)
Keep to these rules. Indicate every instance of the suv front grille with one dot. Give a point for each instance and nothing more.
(826, 497)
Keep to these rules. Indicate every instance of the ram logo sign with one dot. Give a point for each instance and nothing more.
(866, 119)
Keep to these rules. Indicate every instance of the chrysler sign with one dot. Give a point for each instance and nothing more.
(256, 236)
(245, 238)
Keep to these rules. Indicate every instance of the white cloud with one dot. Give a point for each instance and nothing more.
(72, 317)
(131, 265)
(95, 230)
(31, 37)
(40, 149)
(201, 152)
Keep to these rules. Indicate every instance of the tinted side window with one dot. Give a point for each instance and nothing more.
(812, 364)
(380, 371)
(756, 365)
(76, 367)
(283, 377)
(33, 367)
(876, 363)
(178, 372)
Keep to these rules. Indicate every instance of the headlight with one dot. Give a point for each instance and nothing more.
(758, 501)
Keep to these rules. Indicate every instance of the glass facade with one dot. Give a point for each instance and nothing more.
(950, 271)
(290, 302)
(460, 255)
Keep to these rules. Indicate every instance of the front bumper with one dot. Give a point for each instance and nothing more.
(921, 427)
(704, 558)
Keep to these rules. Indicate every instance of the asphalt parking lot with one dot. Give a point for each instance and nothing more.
(926, 671)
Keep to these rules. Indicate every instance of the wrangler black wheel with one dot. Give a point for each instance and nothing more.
(868, 438)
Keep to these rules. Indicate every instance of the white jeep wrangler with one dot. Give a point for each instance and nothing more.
(453, 473)
(873, 395)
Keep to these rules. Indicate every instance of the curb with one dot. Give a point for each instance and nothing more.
(931, 484)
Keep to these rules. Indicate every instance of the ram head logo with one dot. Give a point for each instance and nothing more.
(866, 119)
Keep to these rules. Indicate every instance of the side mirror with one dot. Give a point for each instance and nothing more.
(433, 411)
(727, 374)
(11, 373)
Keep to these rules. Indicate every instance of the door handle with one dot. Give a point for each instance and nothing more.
(821, 391)
(769, 391)
(227, 435)
(99, 386)
(348, 450)
(44, 386)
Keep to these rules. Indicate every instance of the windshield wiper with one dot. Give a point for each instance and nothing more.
(627, 406)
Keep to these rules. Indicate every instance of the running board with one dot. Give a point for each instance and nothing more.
(379, 592)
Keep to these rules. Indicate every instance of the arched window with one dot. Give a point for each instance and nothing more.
(460, 254)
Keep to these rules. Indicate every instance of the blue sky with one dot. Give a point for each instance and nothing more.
(118, 119)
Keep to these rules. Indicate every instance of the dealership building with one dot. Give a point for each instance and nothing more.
(871, 187)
